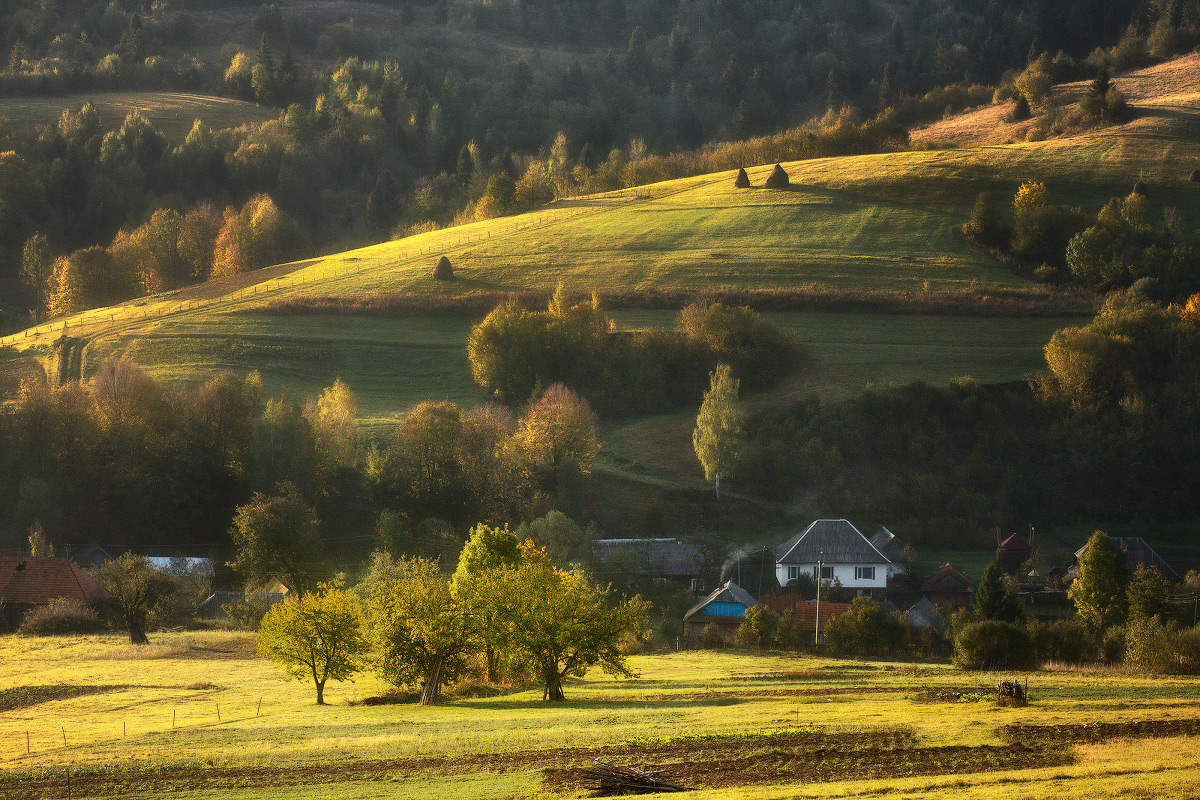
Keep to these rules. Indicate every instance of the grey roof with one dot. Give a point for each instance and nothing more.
(885, 542)
(834, 541)
(1137, 552)
(730, 592)
(649, 556)
(924, 614)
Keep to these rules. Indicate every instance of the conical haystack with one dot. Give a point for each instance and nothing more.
(1195, 176)
(742, 181)
(443, 271)
(1140, 188)
(778, 179)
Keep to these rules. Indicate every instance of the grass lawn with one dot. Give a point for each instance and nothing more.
(878, 727)
(171, 112)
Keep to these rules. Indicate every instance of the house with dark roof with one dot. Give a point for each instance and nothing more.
(839, 551)
(1136, 552)
(27, 582)
(948, 586)
(725, 608)
(886, 542)
(660, 558)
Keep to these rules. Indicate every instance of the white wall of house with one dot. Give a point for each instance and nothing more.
(850, 576)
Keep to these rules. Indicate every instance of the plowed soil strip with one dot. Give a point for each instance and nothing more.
(725, 761)
(1099, 731)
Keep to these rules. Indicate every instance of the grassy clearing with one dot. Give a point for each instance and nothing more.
(171, 112)
(747, 725)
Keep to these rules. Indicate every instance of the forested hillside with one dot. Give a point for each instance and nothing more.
(420, 114)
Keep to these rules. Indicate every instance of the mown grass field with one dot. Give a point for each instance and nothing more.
(759, 726)
(171, 112)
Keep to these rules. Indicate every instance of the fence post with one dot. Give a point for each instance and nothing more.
(26, 742)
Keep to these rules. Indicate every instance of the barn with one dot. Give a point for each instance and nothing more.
(27, 582)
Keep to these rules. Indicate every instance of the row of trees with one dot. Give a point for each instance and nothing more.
(515, 351)
(416, 626)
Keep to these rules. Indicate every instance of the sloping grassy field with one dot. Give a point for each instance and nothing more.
(171, 112)
(759, 726)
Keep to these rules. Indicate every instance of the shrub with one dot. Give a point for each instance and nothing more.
(758, 629)
(866, 629)
(1067, 640)
(1112, 645)
(61, 616)
(993, 645)
(712, 637)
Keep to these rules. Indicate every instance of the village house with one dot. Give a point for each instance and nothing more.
(1135, 552)
(659, 558)
(725, 608)
(842, 554)
(948, 586)
(28, 582)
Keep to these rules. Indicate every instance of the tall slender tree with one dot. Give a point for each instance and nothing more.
(719, 434)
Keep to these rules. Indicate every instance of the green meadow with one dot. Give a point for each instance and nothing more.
(144, 722)
(171, 112)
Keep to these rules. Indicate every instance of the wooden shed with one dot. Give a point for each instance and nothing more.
(1012, 553)
(949, 586)
(725, 608)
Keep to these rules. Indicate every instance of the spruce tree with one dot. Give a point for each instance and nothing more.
(995, 597)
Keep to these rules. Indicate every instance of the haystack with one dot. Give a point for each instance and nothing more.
(443, 271)
(778, 179)
(1140, 188)
(1195, 176)
(742, 181)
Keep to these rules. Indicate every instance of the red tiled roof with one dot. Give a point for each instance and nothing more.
(1014, 542)
(806, 610)
(37, 581)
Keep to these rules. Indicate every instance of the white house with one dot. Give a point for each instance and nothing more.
(844, 554)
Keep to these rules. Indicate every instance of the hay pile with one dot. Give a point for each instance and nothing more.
(1140, 188)
(1195, 176)
(778, 179)
(443, 271)
(742, 181)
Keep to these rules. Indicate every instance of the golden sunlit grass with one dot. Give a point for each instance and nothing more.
(497, 746)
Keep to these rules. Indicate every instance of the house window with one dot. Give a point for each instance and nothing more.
(793, 573)
(864, 573)
(826, 573)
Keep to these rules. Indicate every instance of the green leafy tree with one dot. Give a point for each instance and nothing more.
(422, 631)
(37, 268)
(758, 628)
(277, 536)
(866, 629)
(561, 625)
(485, 553)
(719, 436)
(138, 590)
(560, 429)
(1148, 593)
(1097, 592)
(996, 597)
(317, 635)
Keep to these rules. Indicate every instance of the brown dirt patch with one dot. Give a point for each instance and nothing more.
(720, 761)
(1088, 732)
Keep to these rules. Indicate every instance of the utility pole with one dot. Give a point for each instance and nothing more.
(817, 623)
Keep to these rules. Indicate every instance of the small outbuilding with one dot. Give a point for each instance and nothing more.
(1012, 554)
(924, 614)
(28, 582)
(725, 608)
(778, 179)
(443, 271)
(742, 181)
(948, 586)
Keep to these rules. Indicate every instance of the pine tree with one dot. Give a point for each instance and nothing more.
(719, 436)
(995, 597)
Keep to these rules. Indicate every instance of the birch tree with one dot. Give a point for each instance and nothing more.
(719, 436)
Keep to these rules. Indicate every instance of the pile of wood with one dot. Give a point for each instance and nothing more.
(1012, 693)
(624, 780)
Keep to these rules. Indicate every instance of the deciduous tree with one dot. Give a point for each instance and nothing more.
(1097, 592)
(277, 536)
(719, 436)
(138, 590)
(317, 635)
